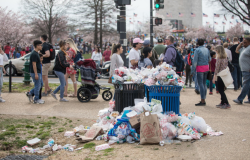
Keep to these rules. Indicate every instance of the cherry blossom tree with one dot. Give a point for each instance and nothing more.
(165, 29)
(204, 32)
(13, 29)
(236, 31)
(161, 30)
(190, 35)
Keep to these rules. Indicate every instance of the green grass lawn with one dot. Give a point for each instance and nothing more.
(87, 56)
(21, 87)
(19, 129)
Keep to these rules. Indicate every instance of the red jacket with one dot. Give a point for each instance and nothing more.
(212, 64)
(7, 49)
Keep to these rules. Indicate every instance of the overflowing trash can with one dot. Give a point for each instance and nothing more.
(125, 94)
(168, 95)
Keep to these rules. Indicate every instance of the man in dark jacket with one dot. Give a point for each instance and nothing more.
(236, 74)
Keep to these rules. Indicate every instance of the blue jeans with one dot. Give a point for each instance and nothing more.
(246, 86)
(8, 56)
(211, 84)
(237, 76)
(60, 88)
(98, 63)
(37, 84)
(202, 78)
(196, 82)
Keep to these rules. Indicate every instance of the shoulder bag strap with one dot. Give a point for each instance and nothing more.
(175, 51)
(60, 61)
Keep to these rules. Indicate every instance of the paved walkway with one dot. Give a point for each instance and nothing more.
(234, 122)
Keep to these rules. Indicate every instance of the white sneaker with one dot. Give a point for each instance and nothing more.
(64, 100)
(42, 100)
(39, 101)
(2, 100)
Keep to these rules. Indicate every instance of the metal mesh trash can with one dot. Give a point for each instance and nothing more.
(168, 95)
(125, 94)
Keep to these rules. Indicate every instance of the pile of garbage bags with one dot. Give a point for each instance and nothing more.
(145, 123)
(161, 75)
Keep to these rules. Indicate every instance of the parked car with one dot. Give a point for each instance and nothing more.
(18, 65)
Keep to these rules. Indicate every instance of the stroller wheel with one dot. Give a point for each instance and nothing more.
(107, 95)
(84, 95)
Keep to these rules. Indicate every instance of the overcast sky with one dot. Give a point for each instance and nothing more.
(142, 9)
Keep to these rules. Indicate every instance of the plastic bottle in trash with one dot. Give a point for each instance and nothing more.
(114, 138)
(99, 138)
(168, 141)
(112, 142)
(46, 146)
(130, 139)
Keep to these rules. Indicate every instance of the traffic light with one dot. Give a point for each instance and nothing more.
(122, 2)
(159, 4)
(158, 21)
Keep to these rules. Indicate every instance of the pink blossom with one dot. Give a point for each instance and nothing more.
(236, 31)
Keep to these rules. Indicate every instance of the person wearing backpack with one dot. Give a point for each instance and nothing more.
(46, 65)
(201, 66)
(170, 51)
(173, 57)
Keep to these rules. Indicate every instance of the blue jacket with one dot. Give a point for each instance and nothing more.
(201, 58)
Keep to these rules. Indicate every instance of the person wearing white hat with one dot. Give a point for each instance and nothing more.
(135, 53)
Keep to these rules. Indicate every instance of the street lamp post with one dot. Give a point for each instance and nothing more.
(151, 24)
(123, 37)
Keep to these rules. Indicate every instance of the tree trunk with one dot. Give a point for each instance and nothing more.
(50, 24)
(101, 23)
(96, 22)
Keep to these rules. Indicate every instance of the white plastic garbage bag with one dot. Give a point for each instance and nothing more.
(199, 124)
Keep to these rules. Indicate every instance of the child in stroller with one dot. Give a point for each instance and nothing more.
(90, 89)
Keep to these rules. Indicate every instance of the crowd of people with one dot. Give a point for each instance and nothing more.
(40, 62)
(203, 62)
(197, 61)
(17, 51)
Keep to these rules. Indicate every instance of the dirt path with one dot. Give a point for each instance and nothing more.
(234, 123)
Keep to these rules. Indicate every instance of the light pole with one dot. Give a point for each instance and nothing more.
(151, 24)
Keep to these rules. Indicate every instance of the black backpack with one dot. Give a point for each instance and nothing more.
(179, 62)
(52, 52)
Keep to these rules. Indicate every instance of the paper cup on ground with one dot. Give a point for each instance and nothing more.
(77, 129)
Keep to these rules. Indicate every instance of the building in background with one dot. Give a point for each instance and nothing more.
(183, 14)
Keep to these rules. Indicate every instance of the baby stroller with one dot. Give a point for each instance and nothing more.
(86, 71)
